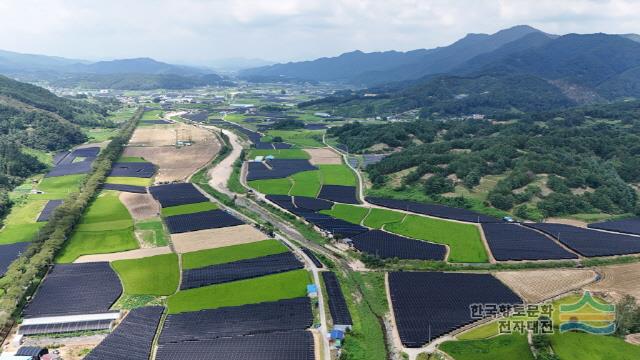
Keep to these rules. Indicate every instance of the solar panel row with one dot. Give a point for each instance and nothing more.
(339, 193)
(427, 305)
(386, 245)
(126, 188)
(626, 226)
(132, 339)
(133, 169)
(289, 345)
(49, 208)
(277, 168)
(71, 289)
(277, 316)
(515, 242)
(239, 270)
(312, 204)
(176, 194)
(59, 328)
(211, 219)
(313, 257)
(337, 304)
(588, 242)
(10, 252)
(435, 210)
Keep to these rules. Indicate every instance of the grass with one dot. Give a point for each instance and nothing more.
(464, 240)
(271, 186)
(156, 275)
(152, 232)
(199, 259)
(279, 154)
(60, 186)
(306, 183)
(377, 218)
(286, 285)
(189, 208)
(125, 180)
(12, 234)
(42, 156)
(151, 115)
(574, 345)
(500, 347)
(301, 138)
(350, 213)
(131, 159)
(337, 175)
(106, 227)
(96, 242)
(97, 135)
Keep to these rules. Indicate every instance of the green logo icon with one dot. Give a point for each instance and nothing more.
(588, 315)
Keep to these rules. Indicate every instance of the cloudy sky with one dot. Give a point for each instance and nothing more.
(199, 31)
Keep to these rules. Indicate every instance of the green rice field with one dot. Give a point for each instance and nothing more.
(198, 259)
(189, 208)
(152, 232)
(350, 213)
(500, 347)
(156, 275)
(279, 154)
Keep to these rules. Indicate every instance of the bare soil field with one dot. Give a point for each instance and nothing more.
(125, 255)
(156, 145)
(535, 286)
(618, 280)
(573, 222)
(140, 206)
(323, 156)
(215, 238)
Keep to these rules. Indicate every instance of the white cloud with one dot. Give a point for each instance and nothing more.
(200, 30)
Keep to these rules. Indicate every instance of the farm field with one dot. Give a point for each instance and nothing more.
(152, 232)
(350, 213)
(215, 238)
(378, 218)
(306, 183)
(287, 285)
(572, 346)
(155, 275)
(20, 225)
(59, 187)
(188, 208)
(535, 285)
(136, 181)
(301, 138)
(279, 154)
(618, 280)
(500, 347)
(463, 240)
(140, 206)
(198, 259)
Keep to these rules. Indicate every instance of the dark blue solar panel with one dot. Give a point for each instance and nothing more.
(312, 204)
(589, 242)
(51, 206)
(239, 270)
(428, 305)
(626, 226)
(10, 252)
(337, 304)
(177, 194)
(126, 188)
(516, 242)
(339, 193)
(386, 245)
(277, 168)
(201, 221)
(133, 169)
(435, 210)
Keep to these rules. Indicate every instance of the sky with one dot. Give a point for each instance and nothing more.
(201, 31)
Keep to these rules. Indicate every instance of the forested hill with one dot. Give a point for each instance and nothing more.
(33, 117)
(582, 160)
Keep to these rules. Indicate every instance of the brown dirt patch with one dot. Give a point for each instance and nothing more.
(125, 255)
(573, 222)
(633, 339)
(323, 156)
(140, 206)
(215, 238)
(618, 280)
(535, 286)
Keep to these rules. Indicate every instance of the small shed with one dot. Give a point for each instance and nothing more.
(34, 351)
(312, 290)
(336, 335)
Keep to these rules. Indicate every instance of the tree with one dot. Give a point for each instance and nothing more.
(437, 184)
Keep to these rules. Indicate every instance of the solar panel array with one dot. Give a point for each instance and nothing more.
(211, 219)
(337, 304)
(313, 257)
(10, 252)
(66, 164)
(281, 145)
(339, 193)
(283, 201)
(312, 204)
(277, 168)
(199, 116)
(337, 227)
(59, 156)
(369, 159)
(48, 209)
(126, 188)
(72, 289)
(290, 345)
(133, 169)
(441, 211)
(386, 245)
(177, 194)
(626, 226)
(239, 270)
(315, 126)
(428, 305)
(132, 339)
(59, 328)
(516, 242)
(277, 316)
(156, 122)
(588, 242)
